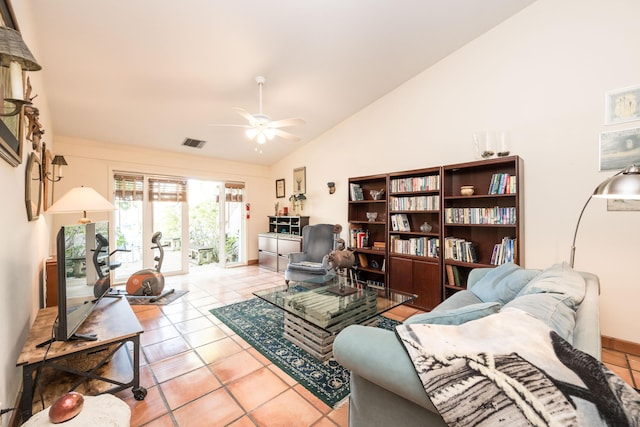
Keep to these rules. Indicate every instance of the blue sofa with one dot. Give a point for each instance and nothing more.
(385, 389)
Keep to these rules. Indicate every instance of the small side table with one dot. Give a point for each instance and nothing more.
(105, 410)
(114, 323)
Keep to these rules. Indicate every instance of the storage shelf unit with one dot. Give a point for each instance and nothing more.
(493, 215)
(367, 238)
(288, 224)
(414, 255)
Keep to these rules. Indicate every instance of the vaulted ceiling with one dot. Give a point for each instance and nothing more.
(154, 72)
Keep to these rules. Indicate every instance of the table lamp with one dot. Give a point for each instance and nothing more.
(81, 199)
(623, 185)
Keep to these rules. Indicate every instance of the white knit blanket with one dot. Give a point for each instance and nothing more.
(510, 369)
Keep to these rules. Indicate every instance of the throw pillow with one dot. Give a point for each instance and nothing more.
(558, 279)
(551, 309)
(456, 316)
(503, 283)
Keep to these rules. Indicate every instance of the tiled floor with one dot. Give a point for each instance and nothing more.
(199, 373)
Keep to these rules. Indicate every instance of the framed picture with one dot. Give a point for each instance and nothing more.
(619, 149)
(279, 188)
(621, 105)
(10, 132)
(623, 205)
(300, 180)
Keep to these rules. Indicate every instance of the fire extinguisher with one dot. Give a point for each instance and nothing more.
(248, 209)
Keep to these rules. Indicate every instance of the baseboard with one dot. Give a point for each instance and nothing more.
(620, 345)
(252, 262)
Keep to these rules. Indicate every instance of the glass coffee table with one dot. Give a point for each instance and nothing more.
(316, 310)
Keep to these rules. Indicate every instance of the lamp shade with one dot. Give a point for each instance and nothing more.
(13, 48)
(81, 199)
(624, 185)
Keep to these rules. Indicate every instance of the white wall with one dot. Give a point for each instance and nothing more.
(23, 249)
(542, 76)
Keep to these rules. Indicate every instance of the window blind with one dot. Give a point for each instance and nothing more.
(167, 190)
(128, 187)
(234, 191)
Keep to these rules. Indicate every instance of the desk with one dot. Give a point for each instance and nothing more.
(114, 323)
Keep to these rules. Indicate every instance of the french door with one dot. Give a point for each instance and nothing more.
(205, 229)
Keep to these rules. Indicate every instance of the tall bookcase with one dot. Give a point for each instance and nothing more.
(414, 248)
(368, 238)
(485, 228)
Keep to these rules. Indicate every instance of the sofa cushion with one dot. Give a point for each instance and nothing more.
(560, 280)
(503, 283)
(457, 300)
(551, 309)
(456, 316)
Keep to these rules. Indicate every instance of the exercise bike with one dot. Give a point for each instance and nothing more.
(150, 281)
(143, 283)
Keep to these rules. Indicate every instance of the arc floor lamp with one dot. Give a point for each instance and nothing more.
(623, 185)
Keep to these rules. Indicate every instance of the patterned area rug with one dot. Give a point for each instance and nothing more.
(261, 325)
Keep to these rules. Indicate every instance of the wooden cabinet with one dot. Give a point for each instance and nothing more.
(368, 234)
(414, 235)
(483, 229)
(288, 224)
(486, 228)
(274, 250)
(51, 282)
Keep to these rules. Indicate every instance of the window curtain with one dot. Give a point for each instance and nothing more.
(167, 190)
(128, 187)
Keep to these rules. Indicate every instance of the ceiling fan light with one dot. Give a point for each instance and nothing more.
(270, 133)
(261, 139)
(251, 133)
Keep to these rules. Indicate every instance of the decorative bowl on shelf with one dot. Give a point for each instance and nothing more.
(372, 216)
(467, 190)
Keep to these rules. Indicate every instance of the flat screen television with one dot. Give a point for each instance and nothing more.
(77, 276)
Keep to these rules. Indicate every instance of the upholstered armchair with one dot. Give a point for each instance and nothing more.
(317, 241)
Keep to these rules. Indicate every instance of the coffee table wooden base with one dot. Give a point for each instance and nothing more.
(312, 339)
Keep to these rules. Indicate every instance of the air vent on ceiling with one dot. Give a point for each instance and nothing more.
(193, 143)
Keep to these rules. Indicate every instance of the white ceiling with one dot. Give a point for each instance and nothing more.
(154, 72)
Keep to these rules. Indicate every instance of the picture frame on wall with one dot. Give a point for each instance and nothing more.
(279, 188)
(300, 180)
(621, 105)
(11, 134)
(619, 149)
(623, 205)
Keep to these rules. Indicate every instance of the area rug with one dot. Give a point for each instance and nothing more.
(261, 325)
(160, 301)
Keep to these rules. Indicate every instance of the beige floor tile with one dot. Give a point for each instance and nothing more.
(257, 388)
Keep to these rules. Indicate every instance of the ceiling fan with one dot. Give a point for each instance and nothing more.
(261, 128)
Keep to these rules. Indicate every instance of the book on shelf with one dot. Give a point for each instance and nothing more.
(450, 278)
(504, 252)
(502, 183)
(356, 192)
(362, 260)
(460, 250)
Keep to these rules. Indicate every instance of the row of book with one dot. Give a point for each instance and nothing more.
(494, 215)
(416, 183)
(504, 251)
(503, 183)
(460, 250)
(359, 238)
(356, 192)
(400, 222)
(456, 276)
(420, 246)
(417, 203)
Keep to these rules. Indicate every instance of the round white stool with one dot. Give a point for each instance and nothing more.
(104, 410)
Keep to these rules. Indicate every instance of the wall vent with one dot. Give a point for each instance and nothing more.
(193, 143)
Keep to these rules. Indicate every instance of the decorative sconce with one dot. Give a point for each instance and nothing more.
(332, 187)
(56, 174)
(15, 55)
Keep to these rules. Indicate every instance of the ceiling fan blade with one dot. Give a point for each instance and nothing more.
(286, 135)
(287, 122)
(223, 124)
(245, 114)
